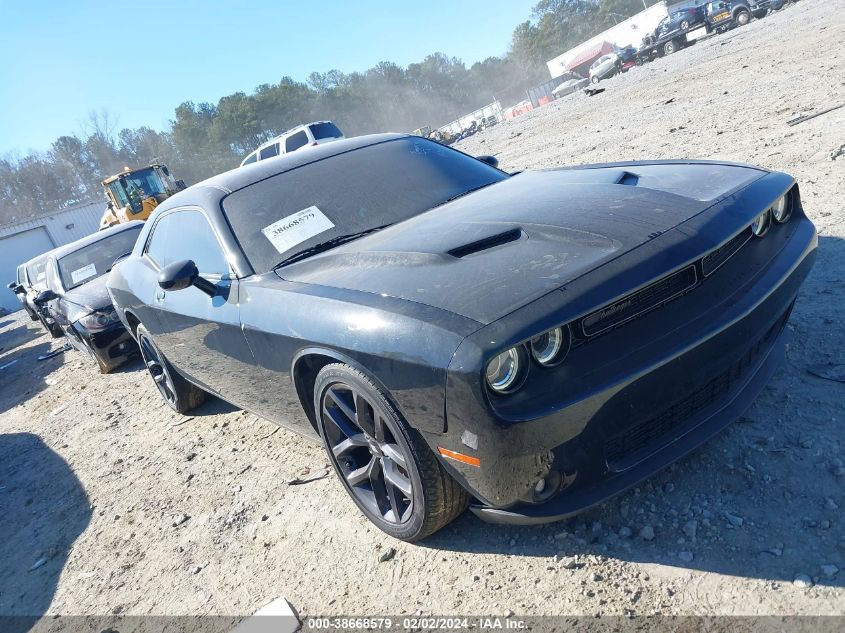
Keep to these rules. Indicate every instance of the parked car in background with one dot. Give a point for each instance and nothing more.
(570, 86)
(77, 299)
(604, 67)
(684, 19)
(425, 309)
(18, 287)
(309, 135)
(727, 14)
(36, 272)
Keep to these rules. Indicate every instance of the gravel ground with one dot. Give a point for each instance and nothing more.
(111, 503)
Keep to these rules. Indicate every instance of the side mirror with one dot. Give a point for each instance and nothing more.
(11, 285)
(180, 275)
(490, 160)
(44, 296)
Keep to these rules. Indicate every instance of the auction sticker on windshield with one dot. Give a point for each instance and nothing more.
(297, 228)
(81, 274)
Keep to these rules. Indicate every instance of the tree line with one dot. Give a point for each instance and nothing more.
(205, 138)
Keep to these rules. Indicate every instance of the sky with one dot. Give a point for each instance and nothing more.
(138, 60)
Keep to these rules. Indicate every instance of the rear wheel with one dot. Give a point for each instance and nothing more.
(670, 47)
(743, 17)
(595, 79)
(180, 395)
(385, 466)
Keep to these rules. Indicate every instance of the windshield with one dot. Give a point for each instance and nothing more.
(96, 259)
(134, 187)
(348, 193)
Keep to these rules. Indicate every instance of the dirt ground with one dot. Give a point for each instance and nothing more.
(111, 503)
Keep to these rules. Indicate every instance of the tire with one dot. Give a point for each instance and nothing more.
(759, 14)
(743, 17)
(54, 329)
(180, 395)
(670, 47)
(595, 79)
(422, 497)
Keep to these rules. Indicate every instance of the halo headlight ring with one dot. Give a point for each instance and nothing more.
(550, 348)
(762, 223)
(782, 208)
(506, 371)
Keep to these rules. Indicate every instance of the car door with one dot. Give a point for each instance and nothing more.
(200, 334)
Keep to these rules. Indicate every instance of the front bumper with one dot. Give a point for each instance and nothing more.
(630, 402)
(110, 347)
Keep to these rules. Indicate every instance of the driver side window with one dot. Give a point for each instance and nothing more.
(186, 234)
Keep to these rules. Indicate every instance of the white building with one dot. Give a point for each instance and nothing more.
(627, 33)
(24, 240)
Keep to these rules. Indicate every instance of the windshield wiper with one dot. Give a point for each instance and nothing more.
(328, 244)
(464, 193)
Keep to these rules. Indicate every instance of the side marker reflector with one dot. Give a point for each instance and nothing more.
(459, 457)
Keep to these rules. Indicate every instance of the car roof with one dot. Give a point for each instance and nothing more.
(286, 133)
(92, 239)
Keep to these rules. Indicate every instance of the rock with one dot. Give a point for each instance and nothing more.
(690, 529)
(686, 556)
(625, 532)
(179, 519)
(508, 613)
(734, 520)
(829, 571)
(647, 533)
(803, 581)
(196, 569)
(386, 555)
(568, 562)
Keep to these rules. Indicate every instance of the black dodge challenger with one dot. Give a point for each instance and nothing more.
(528, 344)
(76, 298)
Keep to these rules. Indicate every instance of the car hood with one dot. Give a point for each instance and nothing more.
(85, 299)
(492, 251)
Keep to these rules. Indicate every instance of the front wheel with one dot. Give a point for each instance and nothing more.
(595, 79)
(180, 395)
(743, 18)
(670, 47)
(386, 467)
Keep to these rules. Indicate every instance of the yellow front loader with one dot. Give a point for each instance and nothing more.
(133, 194)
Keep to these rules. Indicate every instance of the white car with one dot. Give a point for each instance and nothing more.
(301, 136)
(604, 67)
(568, 87)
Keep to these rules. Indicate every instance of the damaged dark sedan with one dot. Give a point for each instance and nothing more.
(527, 344)
(76, 298)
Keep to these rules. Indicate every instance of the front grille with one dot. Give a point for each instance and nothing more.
(650, 434)
(712, 261)
(660, 292)
(639, 302)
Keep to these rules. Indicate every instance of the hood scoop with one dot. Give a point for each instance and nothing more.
(486, 243)
(627, 178)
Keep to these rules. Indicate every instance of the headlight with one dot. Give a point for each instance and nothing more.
(97, 321)
(782, 209)
(550, 347)
(504, 371)
(761, 223)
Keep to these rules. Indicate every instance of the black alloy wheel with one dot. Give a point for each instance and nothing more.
(386, 467)
(179, 394)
